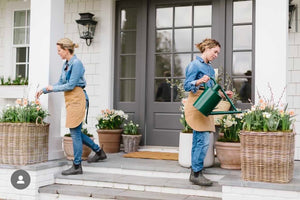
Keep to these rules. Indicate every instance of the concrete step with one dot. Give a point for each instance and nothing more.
(140, 183)
(151, 173)
(73, 192)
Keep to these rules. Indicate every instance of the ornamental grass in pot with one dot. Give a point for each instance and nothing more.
(131, 137)
(268, 142)
(109, 129)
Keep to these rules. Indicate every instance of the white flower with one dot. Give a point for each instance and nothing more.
(266, 115)
(239, 116)
(228, 123)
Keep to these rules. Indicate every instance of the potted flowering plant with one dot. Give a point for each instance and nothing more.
(109, 129)
(23, 134)
(228, 145)
(131, 137)
(267, 142)
(68, 146)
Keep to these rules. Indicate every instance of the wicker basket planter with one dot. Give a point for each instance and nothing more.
(267, 156)
(23, 143)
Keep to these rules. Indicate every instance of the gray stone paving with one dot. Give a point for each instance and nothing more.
(140, 180)
(116, 160)
(110, 193)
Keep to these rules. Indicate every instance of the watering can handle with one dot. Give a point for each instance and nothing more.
(229, 100)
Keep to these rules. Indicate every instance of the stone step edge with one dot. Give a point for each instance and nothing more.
(135, 187)
(49, 192)
(146, 173)
(44, 196)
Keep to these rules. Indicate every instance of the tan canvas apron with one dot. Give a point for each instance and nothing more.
(75, 107)
(195, 119)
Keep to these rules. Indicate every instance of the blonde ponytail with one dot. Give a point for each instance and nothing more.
(66, 43)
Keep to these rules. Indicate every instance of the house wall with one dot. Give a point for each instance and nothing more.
(97, 58)
(293, 75)
(7, 7)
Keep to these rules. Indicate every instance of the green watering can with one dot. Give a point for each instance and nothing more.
(210, 98)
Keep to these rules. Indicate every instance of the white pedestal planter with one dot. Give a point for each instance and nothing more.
(185, 149)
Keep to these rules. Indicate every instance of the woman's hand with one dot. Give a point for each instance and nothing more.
(38, 94)
(204, 79)
(228, 93)
(49, 88)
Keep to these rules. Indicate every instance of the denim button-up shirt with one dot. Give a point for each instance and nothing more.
(71, 76)
(196, 70)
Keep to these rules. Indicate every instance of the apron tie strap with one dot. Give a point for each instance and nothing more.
(87, 106)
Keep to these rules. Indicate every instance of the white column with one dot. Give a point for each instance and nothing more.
(47, 27)
(271, 40)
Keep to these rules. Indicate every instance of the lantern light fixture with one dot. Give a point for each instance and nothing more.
(86, 27)
(292, 10)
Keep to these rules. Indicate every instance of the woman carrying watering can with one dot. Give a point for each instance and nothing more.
(197, 73)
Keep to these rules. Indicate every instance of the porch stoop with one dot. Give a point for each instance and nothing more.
(133, 179)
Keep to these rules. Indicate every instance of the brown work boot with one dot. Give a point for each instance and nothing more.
(198, 179)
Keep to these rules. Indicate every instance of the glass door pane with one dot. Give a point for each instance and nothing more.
(177, 30)
(127, 66)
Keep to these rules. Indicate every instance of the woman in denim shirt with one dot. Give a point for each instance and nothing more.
(197, 73)
(72, 83)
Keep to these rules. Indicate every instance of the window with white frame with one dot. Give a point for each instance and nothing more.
(21, 30)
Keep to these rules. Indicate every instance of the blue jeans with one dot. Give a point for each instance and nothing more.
(78, 139)
(199, 149)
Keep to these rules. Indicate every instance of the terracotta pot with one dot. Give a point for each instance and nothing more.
(229, 154)
(131, 142)
(68, 148)
(110, 139)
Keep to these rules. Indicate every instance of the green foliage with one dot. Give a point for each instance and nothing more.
(130, 128)
(268, 115)
(186, 127)
(24, 111)
(18, 81)
(111, 119)
(83, 130)
(231, 125)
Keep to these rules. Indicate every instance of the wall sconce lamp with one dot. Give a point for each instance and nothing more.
(292, 9)
(86, 27)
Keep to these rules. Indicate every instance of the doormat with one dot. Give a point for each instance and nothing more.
(152, 155)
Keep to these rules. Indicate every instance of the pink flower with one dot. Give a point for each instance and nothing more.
(18, 101)
(291, 113)
(25, 102)
(183, 101)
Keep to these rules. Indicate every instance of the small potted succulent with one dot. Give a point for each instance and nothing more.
(131, 137)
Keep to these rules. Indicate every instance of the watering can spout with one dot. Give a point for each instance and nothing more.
(210, 98)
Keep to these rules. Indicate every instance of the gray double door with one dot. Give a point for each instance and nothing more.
(155, 41)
